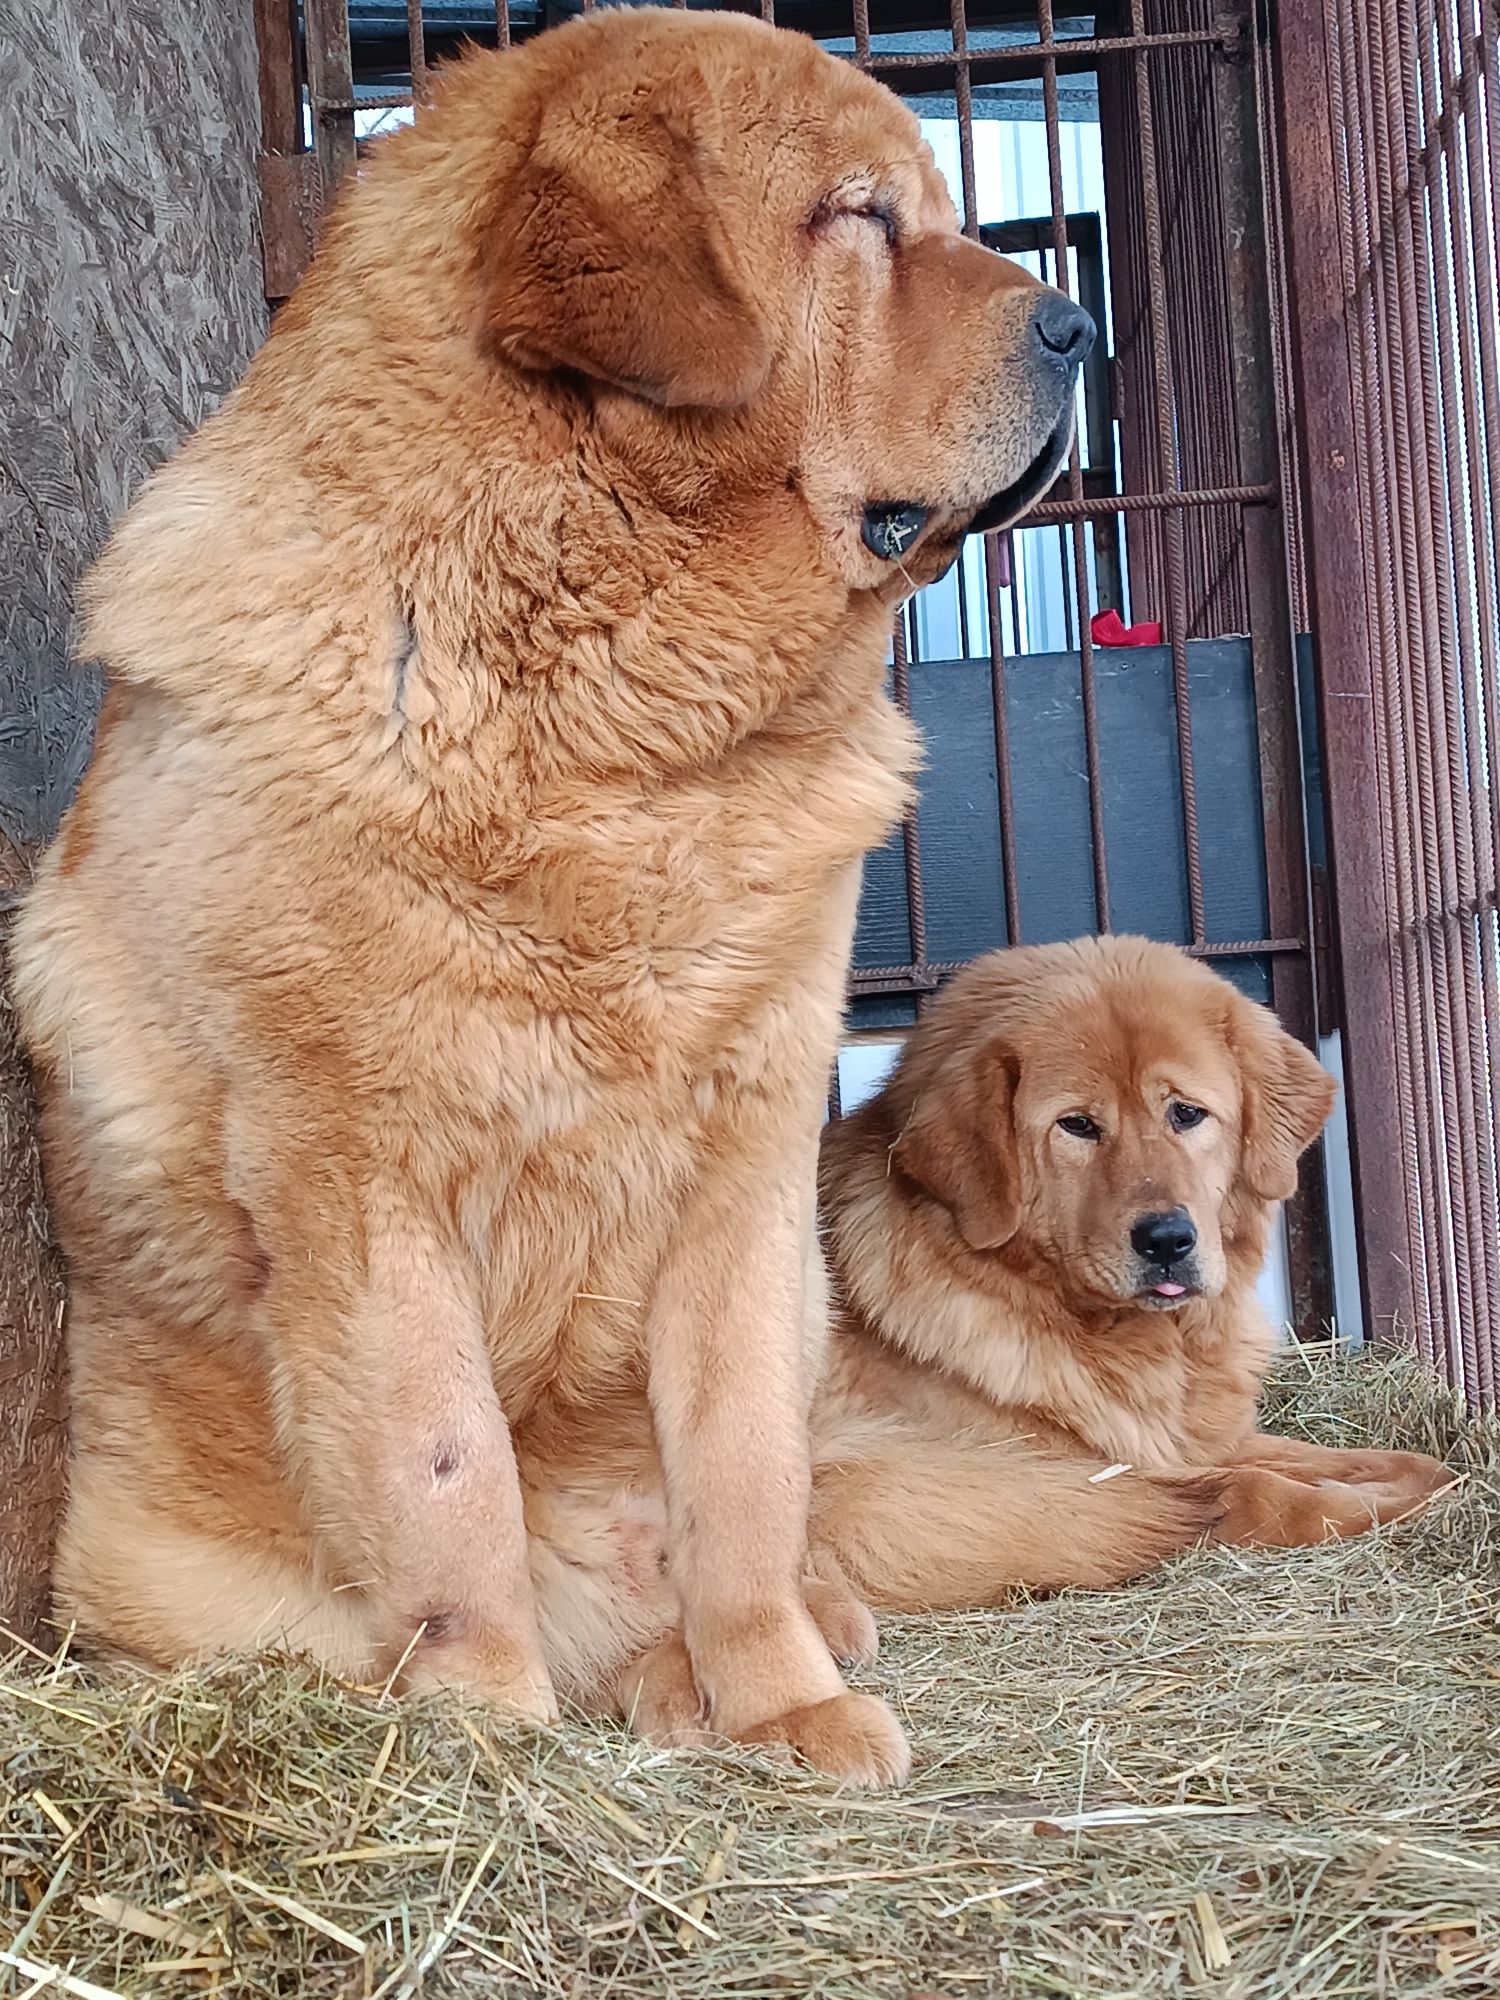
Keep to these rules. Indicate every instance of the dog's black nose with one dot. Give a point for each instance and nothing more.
(1063, 332)
(1164, 1238)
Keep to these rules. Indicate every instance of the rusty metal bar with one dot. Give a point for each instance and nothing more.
(1245, 259)
(1409, 366)
(1457, 708)
(1389, 450)
(1338, 558)
(330, 88)
(1264, 495)
(930, 974)
(1088, 690)
(418, 45)
(911, 845)
(964, 105)
(1358, 222)
(1067, 54)
(1000, 718)
(502, 24)
(1176, 605)
(1409, 124)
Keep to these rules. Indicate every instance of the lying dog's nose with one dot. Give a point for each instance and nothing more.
(1063, 331)
(1164, 1238)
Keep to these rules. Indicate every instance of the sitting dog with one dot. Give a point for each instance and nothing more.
(433, 988)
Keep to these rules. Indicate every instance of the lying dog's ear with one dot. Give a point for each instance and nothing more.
(611, 252)
(959, 1145)
(1287, 1097)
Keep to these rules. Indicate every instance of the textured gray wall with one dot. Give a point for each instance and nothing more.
(130, 299)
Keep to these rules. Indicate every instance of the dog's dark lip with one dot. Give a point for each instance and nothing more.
(1011, 502)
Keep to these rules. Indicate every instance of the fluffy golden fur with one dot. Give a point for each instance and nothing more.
(434, 985)
(1017, 1396)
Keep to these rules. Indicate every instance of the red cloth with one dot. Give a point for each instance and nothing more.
(1105, 629)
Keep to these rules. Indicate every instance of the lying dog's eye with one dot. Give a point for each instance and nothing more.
(1183, 1117)
(1077, 1126)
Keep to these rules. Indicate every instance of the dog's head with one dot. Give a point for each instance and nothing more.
(1110, 1109)
(742, 250)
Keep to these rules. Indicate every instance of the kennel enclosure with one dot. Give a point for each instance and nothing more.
(1284, 491)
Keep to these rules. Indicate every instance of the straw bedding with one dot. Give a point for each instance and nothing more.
(1249, 1775)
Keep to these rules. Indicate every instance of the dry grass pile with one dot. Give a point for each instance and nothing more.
(1246, 1776)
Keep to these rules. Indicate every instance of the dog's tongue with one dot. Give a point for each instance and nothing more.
(1167, 1290)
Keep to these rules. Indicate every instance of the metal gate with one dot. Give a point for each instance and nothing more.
(1391, 113)
(1124, 152)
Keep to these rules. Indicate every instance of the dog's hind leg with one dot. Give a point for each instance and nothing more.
(922, 1524)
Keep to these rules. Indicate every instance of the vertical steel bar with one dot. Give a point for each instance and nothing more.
(1337, 556)
(502, 24)
(1176, 606)
(1454, 462)
(1388, 389)
(1350, 112)
(418, 45)
(1087, 676)
(1430, 642)
(964, 105)
(1241, 220)
(1479, 171)
(911, 845)
(1001, 721)
(330, 88)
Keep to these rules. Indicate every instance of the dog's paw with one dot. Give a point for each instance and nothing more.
(659, 1698)
(1411, 1472)
(447, 1653)
(848, 1627)
(852, 1738)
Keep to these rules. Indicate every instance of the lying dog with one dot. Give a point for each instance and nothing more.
(1046, 1231)
(1045, 1234)
(433, 989)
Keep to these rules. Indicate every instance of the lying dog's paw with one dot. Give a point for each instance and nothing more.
(848, 1627)
(1410, 1472)
(659, 1698)
(517, 1690)
(850, 1737)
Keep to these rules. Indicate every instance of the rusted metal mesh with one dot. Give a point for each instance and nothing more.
(1415, 100)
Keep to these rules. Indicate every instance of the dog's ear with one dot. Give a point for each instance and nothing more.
(959, 1145)
(1286, 1096)
(611, 253)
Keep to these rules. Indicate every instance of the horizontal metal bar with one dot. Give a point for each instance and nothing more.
(1151, 503)
(1015, 54)
(340, 107)
(865, 981)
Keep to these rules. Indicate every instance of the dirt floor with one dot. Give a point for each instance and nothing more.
(1246, 1776)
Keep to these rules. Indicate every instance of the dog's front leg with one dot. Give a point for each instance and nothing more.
(730, 1357)
(388, 1413)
